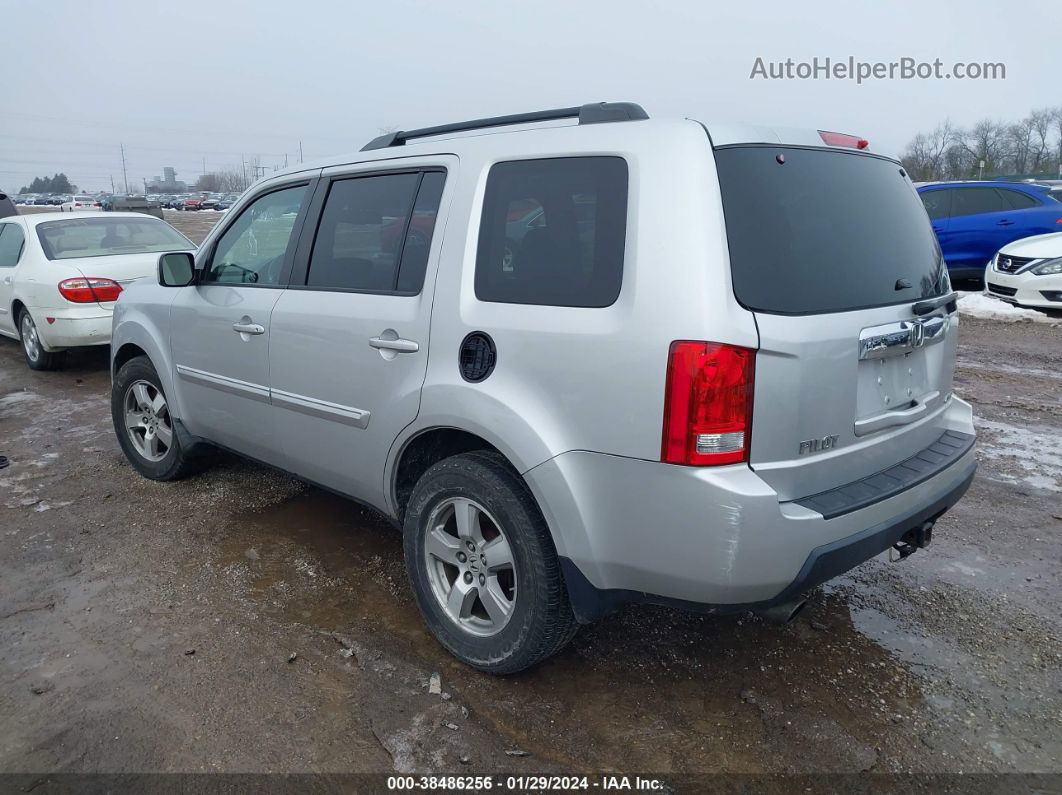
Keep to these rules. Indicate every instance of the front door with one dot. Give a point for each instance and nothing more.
(349, 338)
(220, 327)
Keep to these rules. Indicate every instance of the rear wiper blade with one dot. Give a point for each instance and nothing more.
(925, 307)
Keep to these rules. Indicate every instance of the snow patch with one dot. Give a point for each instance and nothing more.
(986, 307)
(1036, 455)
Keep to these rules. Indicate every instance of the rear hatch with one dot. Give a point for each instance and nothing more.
(831, 249)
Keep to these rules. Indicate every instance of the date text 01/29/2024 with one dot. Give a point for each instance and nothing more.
(523, 783)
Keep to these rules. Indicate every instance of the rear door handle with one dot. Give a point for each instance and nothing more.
(1004, 222)
(246, 327)
(399, 345)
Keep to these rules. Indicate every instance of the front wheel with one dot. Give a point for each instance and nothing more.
(483, 566)
(146, 431)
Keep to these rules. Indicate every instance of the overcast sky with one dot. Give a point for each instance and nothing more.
(183, 82)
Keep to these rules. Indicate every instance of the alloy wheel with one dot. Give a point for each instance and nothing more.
(470, 566)
(147, 420)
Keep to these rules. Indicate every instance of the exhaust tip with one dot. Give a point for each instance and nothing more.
(782, 613)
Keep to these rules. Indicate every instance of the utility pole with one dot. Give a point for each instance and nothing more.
(285, 160)
(112, 184)
(300, 152)
(125, 175)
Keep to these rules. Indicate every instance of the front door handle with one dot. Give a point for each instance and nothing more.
(1004, 222)
(398, 345)
(245, 326)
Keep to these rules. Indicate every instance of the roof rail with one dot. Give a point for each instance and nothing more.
(594, 113)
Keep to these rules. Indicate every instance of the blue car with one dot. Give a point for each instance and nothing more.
(974, 220)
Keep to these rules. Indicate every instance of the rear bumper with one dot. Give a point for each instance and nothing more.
(73, 327)
(717, 539)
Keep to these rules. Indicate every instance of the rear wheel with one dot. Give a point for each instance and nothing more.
(146, 430)
(32, 347)
(483, 566)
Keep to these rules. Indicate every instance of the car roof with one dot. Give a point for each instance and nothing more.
(520, 138)
(32, 219)
(987, 183)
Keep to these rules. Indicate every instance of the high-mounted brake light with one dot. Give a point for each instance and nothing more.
(90, 290)
(841, 139)
(708, 404)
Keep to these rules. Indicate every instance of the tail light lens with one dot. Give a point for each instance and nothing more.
(90, 290)
(708, 404)
(841, 139)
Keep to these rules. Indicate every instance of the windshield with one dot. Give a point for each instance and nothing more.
(101, 237)
(814, 230)
(84, 199)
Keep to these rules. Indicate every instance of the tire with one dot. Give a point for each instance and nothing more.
(539, 621)
(154, 446)
(36, 357)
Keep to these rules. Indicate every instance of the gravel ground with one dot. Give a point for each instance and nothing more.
(151, 627)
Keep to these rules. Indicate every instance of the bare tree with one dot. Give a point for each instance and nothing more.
(1040, 123)
(986, 142)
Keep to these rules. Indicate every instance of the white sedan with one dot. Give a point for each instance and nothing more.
(80, 203)
(1028, 272)
(61, 274)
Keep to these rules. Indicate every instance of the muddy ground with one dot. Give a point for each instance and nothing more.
(151, 627)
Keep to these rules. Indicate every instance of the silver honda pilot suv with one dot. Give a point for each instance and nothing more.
(580, 357)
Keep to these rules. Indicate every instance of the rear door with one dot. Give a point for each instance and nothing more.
(981, 224)
(12, 246)
(830, 249)
(349, 337)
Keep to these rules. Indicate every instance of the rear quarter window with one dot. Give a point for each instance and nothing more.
(553, 232)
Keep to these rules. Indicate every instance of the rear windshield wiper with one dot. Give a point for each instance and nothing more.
(925, 307)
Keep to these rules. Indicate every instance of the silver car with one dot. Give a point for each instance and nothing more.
(580, 357)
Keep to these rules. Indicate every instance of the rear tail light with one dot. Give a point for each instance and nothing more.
(841, 139)
(90, 290)
(708, 404)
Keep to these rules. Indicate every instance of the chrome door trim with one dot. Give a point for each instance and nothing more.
(223, 383)
(347, 415)
(897, 339)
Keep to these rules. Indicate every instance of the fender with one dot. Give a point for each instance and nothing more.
(138, 325)
(522, 441)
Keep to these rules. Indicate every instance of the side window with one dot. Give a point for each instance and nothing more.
(937, 202)
(375, 232)
(553, 232)
(12, 240)
(252, 250)
(976, 201)
(1016, 200)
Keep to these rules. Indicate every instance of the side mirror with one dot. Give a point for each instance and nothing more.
(176, 269)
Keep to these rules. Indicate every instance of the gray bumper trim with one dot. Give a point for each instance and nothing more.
(923, 465)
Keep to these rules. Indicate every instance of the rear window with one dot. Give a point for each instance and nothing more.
(101, 237)
(553, 232)
(814, 231)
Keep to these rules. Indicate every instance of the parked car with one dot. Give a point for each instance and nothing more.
(7, 207)
(80, 203)
(224, 204)
(209, 204)
(1028, 272)
(61, 274)
(189, 204)
(706, 378)
(974, 220)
